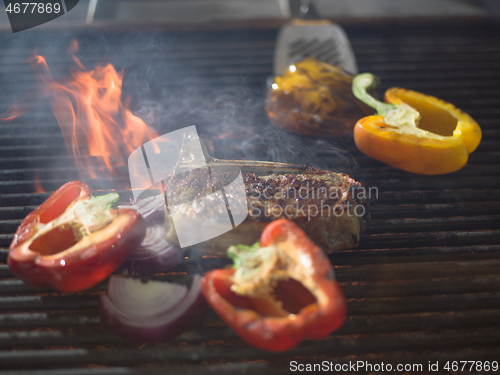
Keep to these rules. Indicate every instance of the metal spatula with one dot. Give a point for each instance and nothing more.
(307, 35)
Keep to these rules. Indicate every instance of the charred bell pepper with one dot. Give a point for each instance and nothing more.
(414, 132)
(279, 292)
(73, 241)
(314, 98)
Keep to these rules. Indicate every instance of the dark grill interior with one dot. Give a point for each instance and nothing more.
(422, 286)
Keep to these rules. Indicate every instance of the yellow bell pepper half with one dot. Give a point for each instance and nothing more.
(414, 132)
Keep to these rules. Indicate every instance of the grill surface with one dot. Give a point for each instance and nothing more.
(422, 286)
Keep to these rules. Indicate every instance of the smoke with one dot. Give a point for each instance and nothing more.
(234, 118)
(176, 80)
(225, 103)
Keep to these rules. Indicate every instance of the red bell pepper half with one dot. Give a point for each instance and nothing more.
(279, 292)
(73, 240)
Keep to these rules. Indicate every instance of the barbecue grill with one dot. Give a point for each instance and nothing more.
(423, 285)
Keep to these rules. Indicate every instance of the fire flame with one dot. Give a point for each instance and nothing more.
(38, 184)
(93, 119)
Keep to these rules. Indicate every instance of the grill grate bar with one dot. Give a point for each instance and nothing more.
(440, 197)
(464, 281)
(357, 324)
(429, 225)
(434, 210)
(380, 226)
(406, 323)
(340, 345)
(438, 183)
(474, 169)
(448, 285)
(44, 135)
(244, 368)
(418, 183)
(45, 320)
(383, 198)
(370, 256)
(28, 303)
(9, 213)
(408, 271)
(426, 304)
(435, 286)
(431, 239)
(29, 162)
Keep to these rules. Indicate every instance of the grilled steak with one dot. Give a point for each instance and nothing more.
(330, 207)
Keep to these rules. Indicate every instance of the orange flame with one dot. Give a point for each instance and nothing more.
(38, 184)
(91, 115)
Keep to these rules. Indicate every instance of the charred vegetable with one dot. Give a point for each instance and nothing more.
(73, 241)
(279, 292)
(315, 98)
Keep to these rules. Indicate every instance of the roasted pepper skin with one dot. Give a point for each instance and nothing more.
(317, 319)
(451, 135)
(314, 98)
(58, 259)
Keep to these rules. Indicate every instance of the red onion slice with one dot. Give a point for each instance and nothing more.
(152, 297)
(154, 255)
(153, 311)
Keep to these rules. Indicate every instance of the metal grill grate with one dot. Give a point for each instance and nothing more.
(422, 286)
